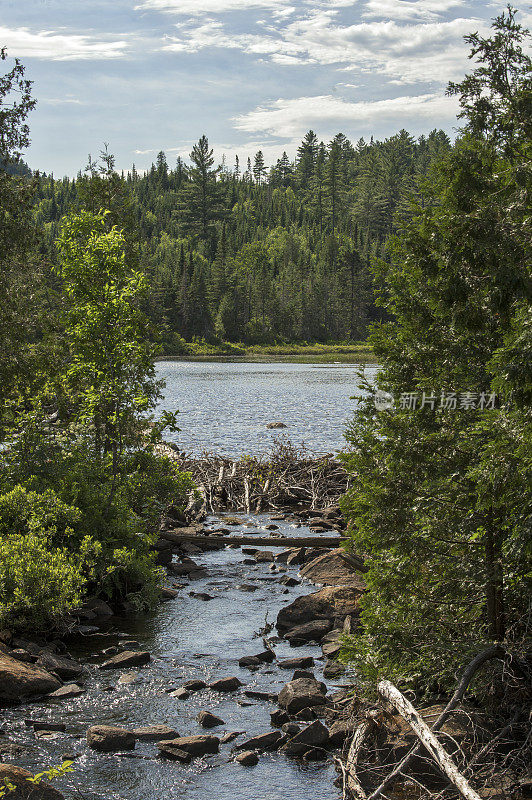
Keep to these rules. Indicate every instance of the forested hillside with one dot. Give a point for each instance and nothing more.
(246, 254)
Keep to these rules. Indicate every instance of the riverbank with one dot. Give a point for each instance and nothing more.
(315, 351)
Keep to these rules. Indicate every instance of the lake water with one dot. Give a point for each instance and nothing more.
(224, 407)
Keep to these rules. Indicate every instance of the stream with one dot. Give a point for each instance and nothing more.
(187, 638)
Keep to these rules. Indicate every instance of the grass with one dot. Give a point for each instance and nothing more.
(358, 352)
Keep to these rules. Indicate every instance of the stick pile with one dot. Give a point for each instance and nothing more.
(284, 476)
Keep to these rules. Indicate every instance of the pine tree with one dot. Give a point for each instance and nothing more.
(259, 170)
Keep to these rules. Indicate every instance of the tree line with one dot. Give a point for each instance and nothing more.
(255, 255)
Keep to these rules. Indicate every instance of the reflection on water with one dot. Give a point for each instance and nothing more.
(225, 407)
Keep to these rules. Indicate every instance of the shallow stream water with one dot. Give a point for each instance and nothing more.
(224, 408)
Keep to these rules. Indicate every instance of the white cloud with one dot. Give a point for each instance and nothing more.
(197, 8)
(61, 101)
(410, 9)
(403, 52)
(58, 46)
(290, 119)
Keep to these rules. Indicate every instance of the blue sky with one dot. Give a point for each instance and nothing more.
(150, 75)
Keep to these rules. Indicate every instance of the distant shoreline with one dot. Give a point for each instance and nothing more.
(352, 353)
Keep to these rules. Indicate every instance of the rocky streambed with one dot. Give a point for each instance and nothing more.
(231, 689)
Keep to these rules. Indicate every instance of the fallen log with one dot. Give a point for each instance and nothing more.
(495, 651)
(351, 780)
(405, 708)
(266, 541)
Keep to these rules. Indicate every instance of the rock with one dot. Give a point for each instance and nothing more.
(291, 728)
(25, 789)
(66, 692)
(330, 644)
(329, 603)
(333, 669)
(169, 594)
(229, 736)
(267, 657)
(279, 718)
(194, 745)
(313, 735)
(21, 655)
(275, 425)
(335, 568)
(249, 662)
(248, 758)
(287, 580)
(110, 739)
(19, 681)
(309, 632)
(307, 714)
(127, 678)
(64, 667)
(297, 556)
(339, 731)
(44, 725)
(264, 741)
(208, 720)
(201, 596)
(99, 607)
(263, 556)
(167, 750)
(271, 527)
(247, 587)
(129, 658)
(315, 754)
(194, 685)
(300, 694)
(256, 695)
(154, 733)
(225, 685)
(296, 663)
(181, 694)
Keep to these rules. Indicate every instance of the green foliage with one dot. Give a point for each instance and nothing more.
(441, 499)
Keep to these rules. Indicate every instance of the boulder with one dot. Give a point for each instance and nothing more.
(264, 741)
(64, 667)
(339, 731)
(266, 657)
(278, 718)
(181, 693)
(335, 568)
(263, 556)
(297, 556)
(309, 632)
(154, 733)
(194, 685)
(313, 735)
(25, 789)
(329, 603)
(110, 739)
(297, 663)
(225, 685)
(66, 692)
(330, 644)
(287, 580)
(248, 758)
(333, 669)
(21, 655)
(301, 693)
(275, 425)
(168, 750)
(19, 681)
(194, 745)
(249, 662)
(129, 658)
(208, 720)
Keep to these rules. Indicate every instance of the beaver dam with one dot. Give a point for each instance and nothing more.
(285, 476)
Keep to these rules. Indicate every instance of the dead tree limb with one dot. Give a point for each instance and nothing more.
(495, 651)
(427, 738)
(350, 772)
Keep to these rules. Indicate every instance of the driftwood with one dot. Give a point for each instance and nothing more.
(427, 738)
(486, 655)
(285, 476)
(351, 780)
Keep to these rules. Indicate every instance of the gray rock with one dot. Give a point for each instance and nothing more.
(195, 745)
(309, 632)
(248, 758)
(339, 732)
(66, 692)
(64, 667)
(263, 556)
(287, 580)
(279, 718)
(296, 663)
(169, 751)
(333, 669)
(154, 733)
(300, 694)
(110, 739)
(313, 735)
(329, 603)
(19, 681)
(194, 685)
(208, 720)
(226, 685)
(264, 741)
(180, 694)
(129, 658)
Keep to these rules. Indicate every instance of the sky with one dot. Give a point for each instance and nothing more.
(151, 75)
